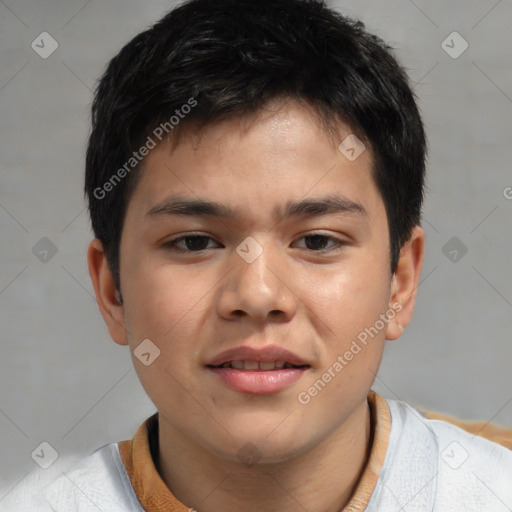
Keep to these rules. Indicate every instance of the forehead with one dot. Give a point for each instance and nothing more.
(257, 164)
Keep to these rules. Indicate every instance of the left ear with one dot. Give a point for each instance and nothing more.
(405, 283)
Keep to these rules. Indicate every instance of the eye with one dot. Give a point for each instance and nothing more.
(318, 242)
(189, 243)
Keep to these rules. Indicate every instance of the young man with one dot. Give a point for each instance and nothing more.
(255, 180)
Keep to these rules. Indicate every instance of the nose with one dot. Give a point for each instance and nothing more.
(258, 291)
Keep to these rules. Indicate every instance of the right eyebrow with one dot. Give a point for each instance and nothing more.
(183, 206)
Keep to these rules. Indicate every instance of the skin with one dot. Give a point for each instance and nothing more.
(195, 305)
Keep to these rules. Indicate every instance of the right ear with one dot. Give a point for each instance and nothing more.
(111, 309)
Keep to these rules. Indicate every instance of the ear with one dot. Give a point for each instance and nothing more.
(111, 308)
(405, 283)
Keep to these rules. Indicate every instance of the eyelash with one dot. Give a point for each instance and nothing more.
(172, 244)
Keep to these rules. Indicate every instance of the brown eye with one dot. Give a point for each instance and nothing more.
(318, 243)
(189, 243)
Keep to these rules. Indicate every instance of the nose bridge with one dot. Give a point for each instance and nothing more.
(256, 270)
(255, 287)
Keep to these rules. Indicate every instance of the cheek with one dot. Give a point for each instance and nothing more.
(167, 300)
(169, 386)
(167, 307)
(347, 299)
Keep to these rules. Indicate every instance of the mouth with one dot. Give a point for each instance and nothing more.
(258, 374)
(259, 366)
(257, 370)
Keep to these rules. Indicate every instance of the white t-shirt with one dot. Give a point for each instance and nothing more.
(430, 465)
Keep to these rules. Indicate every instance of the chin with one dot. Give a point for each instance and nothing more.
(257, 446)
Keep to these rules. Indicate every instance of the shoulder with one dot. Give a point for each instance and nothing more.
(97, 482)
(455, 444)
(487, 430)
(457, 468)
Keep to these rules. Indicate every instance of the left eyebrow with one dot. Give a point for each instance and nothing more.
(328, 205)
(324, 206)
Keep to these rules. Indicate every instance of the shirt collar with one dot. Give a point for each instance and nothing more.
(140, 458)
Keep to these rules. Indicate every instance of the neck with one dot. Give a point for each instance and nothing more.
(320, 479)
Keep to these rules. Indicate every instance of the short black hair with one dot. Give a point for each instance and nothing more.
(210, 60)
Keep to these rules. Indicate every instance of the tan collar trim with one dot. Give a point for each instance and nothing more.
(155, 496)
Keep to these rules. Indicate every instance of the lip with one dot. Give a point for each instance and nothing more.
(258, 382)
(262, 354)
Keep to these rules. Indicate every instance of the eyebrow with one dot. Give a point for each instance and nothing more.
(327, 205)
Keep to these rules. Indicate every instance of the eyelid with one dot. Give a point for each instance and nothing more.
(172, 243)
(339, 242)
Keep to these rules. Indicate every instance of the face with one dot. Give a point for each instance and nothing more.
(290, 265)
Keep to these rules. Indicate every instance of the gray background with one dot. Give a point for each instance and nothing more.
(64, 381)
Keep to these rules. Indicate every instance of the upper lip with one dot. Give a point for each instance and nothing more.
(261, 354)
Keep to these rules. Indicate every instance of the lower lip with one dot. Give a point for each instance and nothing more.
(258, 382)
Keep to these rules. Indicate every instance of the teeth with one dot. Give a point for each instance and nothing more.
(255, 365)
